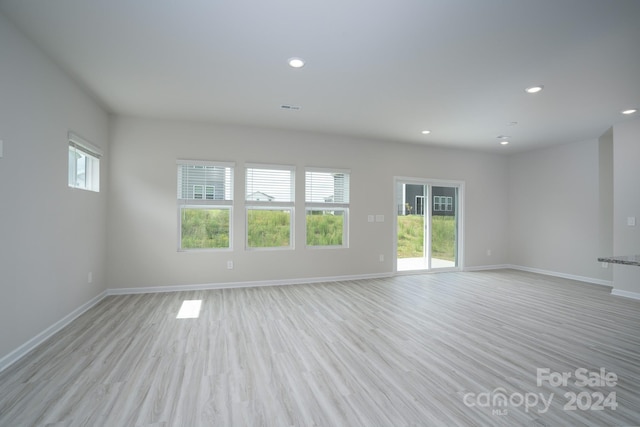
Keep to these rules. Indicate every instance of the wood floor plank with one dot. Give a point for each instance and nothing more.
(401, 351)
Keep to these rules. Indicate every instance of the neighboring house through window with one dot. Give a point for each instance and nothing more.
(442, 203)
(204, 192)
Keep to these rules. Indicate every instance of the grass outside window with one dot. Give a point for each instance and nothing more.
(411, 237)
(204, 228)
(267, 228)
(325, 227)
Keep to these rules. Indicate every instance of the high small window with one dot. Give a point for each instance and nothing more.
(269, 199)
(327, 207)
(84, 164)
(205, 199)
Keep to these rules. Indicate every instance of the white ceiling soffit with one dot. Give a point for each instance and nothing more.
(376, 69)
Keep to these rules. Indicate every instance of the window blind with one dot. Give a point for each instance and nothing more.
(328, 186)
(210, 181)
(83, 145)
(270, 184)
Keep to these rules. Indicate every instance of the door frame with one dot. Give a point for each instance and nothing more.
(459, 215)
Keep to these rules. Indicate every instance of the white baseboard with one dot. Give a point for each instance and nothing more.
(25, 348)
(251, 284)
(487, 267)
(591, 280)
(626, 294)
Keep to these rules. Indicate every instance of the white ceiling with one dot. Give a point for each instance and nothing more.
(382, 69)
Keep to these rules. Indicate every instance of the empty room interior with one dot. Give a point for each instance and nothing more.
(319, 213)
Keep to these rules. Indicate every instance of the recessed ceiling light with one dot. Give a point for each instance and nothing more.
(425, 132)
(534, 89)
(629, 111)
(296, 62)
(504, 139)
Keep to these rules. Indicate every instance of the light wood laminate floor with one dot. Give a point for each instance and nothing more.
(407, 350)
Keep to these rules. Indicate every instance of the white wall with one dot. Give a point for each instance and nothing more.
(626, 178)
(554, 210)
(142, 201)
(50, 235)
(605, 174)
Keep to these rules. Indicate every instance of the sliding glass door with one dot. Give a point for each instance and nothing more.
(427, 225)
(444, 227)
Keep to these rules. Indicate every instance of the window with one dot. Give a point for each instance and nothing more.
(84, 164)
(327, 207)
(442, 203)
(205, 199)
(270, 197)
(204, 192)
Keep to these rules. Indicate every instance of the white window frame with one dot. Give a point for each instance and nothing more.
(79, 146)
(442, 203)
(276, 205)
(205, 203)
(315, 205)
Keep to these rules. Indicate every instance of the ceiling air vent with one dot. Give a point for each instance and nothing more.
(290, 107)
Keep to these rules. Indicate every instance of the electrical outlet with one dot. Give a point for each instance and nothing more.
(90, 277)
(229, 265)
(379, 218)
(488, 252)
(381, 258)
(370, 218)
(605, 265)
(631, 221)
